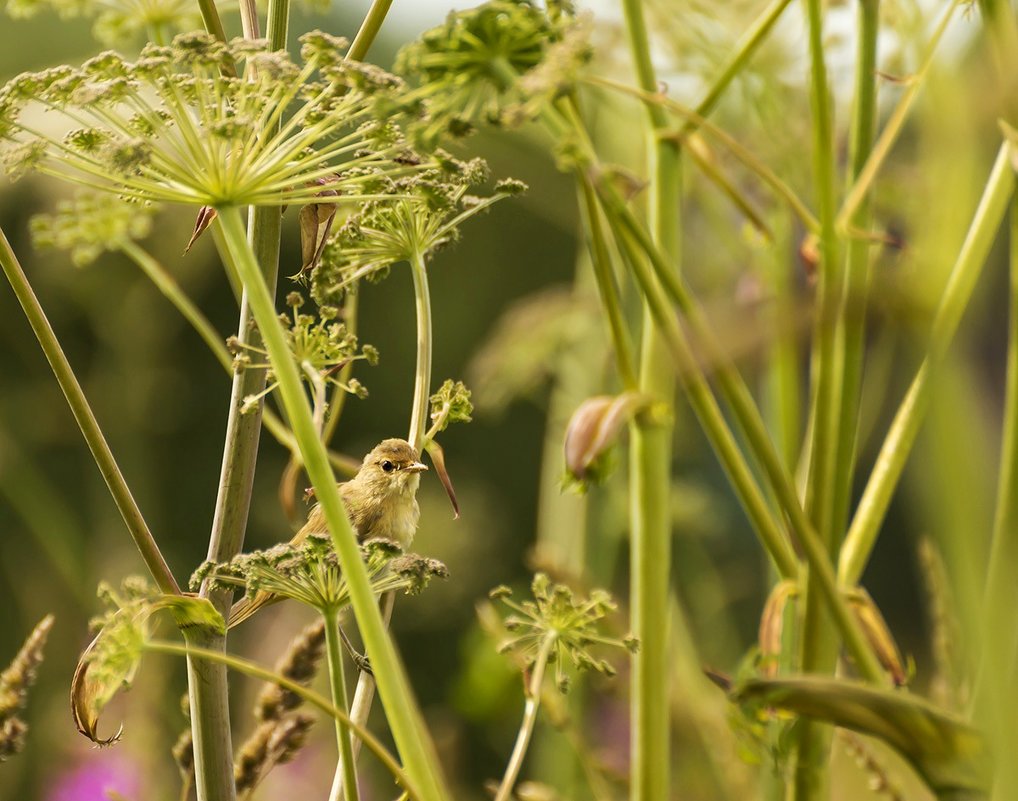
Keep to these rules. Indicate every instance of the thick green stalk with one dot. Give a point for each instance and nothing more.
(819, 638)
(865, 526)
(530, 708)
(650, 465)
(337, 685)
(422, 374)
(86, 421)
(256, 671)
(852, 323)
(369, 29)
(995, 692)
(207, 681)
(401, 709)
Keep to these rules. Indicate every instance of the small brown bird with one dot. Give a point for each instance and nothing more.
(381, 501)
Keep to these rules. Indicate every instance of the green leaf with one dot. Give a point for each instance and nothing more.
(946, 751)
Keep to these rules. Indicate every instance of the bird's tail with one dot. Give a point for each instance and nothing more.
(246, 607)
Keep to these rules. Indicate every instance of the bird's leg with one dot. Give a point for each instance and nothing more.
(360, 660)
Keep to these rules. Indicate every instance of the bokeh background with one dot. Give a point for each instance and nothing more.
(515, 317)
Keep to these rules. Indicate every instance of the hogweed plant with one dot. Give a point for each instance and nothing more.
(380, 168)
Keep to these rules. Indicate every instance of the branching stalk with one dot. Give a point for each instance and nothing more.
(530, 709)
(87, 423)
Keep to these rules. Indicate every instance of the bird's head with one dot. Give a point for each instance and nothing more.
(393, 467)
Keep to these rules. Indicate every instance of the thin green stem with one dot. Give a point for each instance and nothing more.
(87, 423)
(256, 671)
(404, 716)
(819, 638)
(744, 50)
(171, 290)
(369, 29)
(607, 288)
(422, 374)
(207, 681)
(890, 462)
(530, 709)
(337, 684)
(650, 466)
(852, 322)
(859, 191)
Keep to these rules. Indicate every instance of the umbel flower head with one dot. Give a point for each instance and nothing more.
(174, 126)
(414, 216)
(309, 571)
(321, 346)
(567, 622)
(91, 224)
(493, 64)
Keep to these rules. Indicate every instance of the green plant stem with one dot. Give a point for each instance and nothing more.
(256, 671)
(737, 149)
(650, 464)
(530, 709)
(859, 191)
(819, 638)
(86, 421)
(701, 398)
(744, 50)
(171, 290)
(607, 289)
(897, 445)
(422, 374)
(852, 323)
(207, 681)
(369, 29)
(214, 25)
(168, 286)
(995, 691)
(404, 716)
(337, 684)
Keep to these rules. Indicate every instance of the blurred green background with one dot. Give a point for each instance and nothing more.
(162, 400)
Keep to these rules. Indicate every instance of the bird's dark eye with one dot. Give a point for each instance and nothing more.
(388, 466)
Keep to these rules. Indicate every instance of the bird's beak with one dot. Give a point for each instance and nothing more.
(416, 467)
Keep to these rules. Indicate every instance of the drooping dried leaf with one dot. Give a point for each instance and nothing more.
(206, 214)
(438, 460)
(112, 658)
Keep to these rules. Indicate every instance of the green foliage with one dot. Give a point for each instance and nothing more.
(90, 225)
(451, 404)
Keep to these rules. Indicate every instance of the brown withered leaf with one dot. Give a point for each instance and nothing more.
(110, 661)
(206, 214)
(315, 226)
(879, 634)
(438, 459)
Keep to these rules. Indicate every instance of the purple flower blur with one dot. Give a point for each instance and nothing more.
(93, 776)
